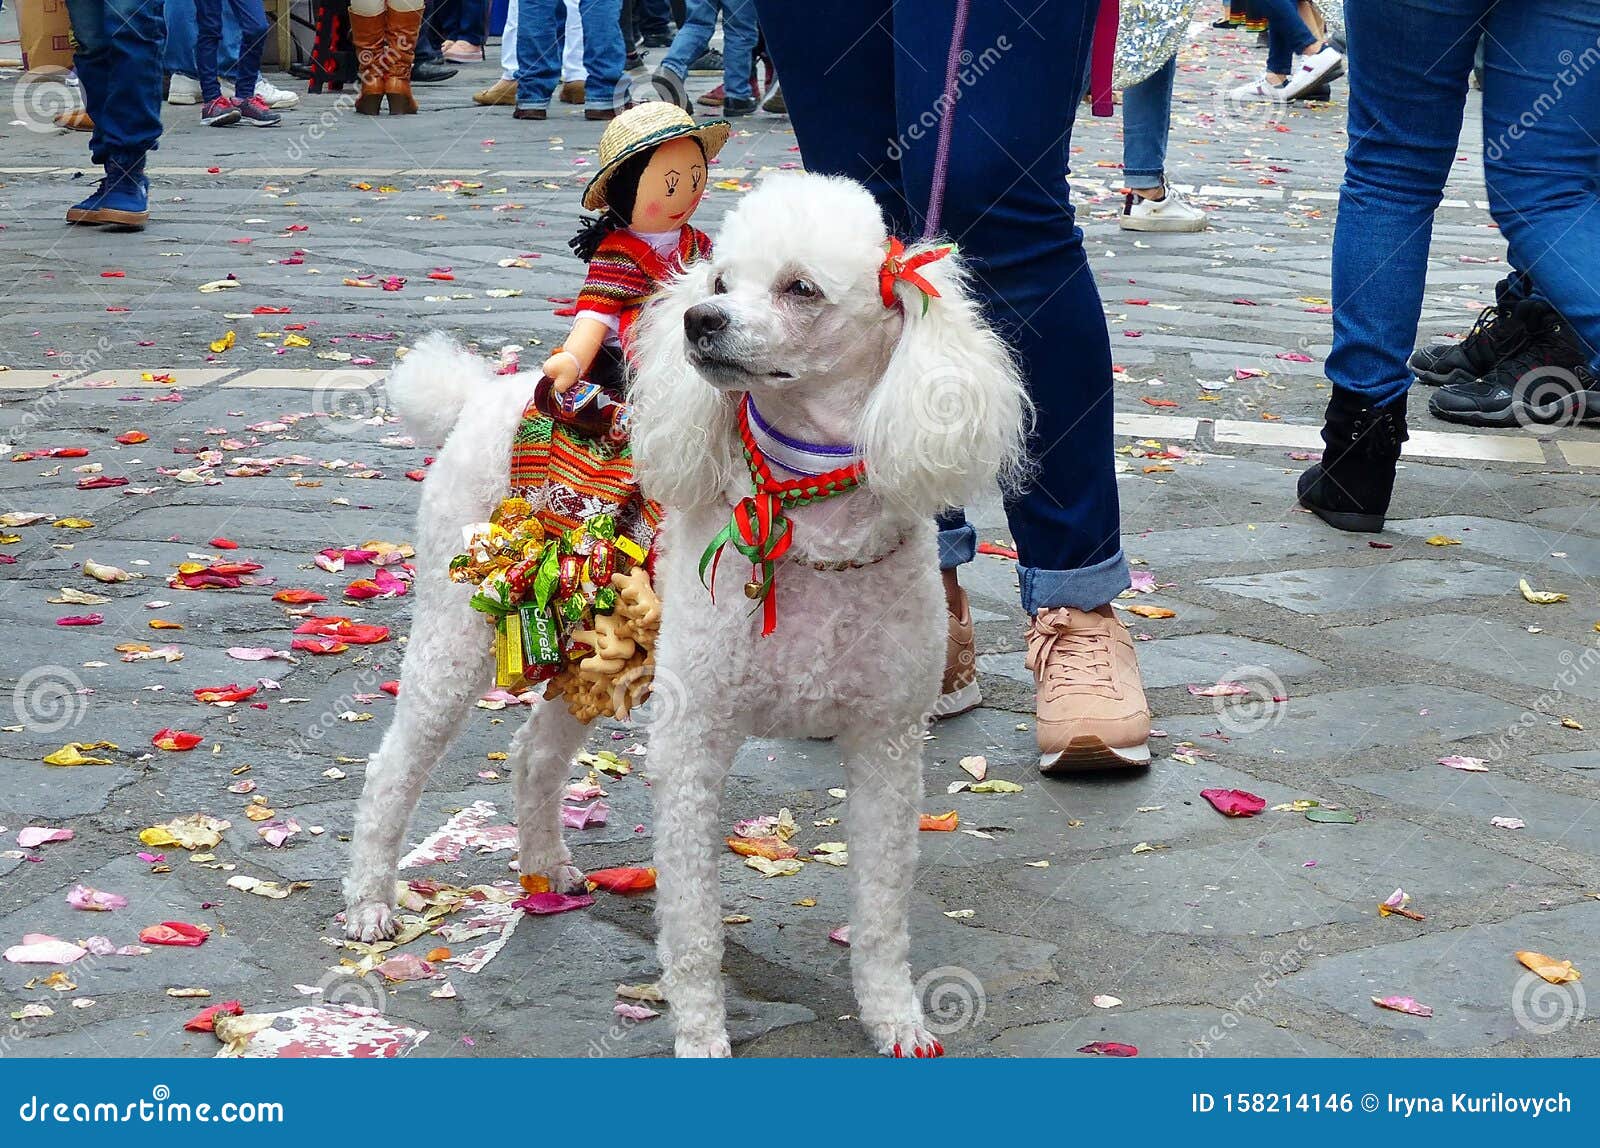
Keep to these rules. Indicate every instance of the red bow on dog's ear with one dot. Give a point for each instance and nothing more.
(896, 267)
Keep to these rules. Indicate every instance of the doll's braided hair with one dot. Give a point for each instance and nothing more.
(622, 189)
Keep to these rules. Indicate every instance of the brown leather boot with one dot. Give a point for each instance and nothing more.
(404, 27)
(370, 36)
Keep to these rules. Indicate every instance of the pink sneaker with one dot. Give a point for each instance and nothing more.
(1091, 707)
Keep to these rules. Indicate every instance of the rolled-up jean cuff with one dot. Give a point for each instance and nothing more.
(1087, 588)
(1142, 180)
(958, 545)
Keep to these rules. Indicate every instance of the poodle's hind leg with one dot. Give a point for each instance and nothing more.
(689, 758)
(446, 665)
(882, 819)
(541, 754)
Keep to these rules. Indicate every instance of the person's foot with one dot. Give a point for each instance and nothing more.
(633, 62)
(125, 202)
(1227, 22)
(733, 106)
(529, 114)
(462, 52)
(219, 113)
(272, 95)
(1091, 708)
(1350, 488)
(572, 91)
(254, 111)
(599, 113)
(1545, 382)
(1501, 330)
(76, 120)
(713, 98)
(1261, 88)
(183, 90)
(708, 64)
(657, 40)
(84, 210)
(1314, 70)
(1322, 93)
(774, 102)
(498, 94)
(431, 71)
(669, 88)
(1170, 213)
(960, 690)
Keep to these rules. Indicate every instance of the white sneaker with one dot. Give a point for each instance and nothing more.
(1169, 213)
(274, 96)
(1312, 70)
(1260, 88)
(183, 90)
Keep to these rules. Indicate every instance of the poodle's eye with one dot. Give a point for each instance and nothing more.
(719, 286)
(803, 288)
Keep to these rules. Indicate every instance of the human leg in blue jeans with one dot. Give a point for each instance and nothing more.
(183, 32)
(858, 78)
(1405, 119)
(1288, 35)
(539, 55)
(694, 36)
(118, 60)
(1150, 205)
(250, 16)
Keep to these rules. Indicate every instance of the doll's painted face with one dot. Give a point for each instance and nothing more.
(671, 187)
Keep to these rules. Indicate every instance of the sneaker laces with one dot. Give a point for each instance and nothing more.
(1068, 659)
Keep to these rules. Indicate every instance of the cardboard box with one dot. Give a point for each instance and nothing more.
(46, 34)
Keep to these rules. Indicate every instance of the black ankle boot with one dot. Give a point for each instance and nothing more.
(1350, 487)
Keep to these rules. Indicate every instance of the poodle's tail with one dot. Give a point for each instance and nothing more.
(432, 384)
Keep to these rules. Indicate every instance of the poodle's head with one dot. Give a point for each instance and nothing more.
(793, 301)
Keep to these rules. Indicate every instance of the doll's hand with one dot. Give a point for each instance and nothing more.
(563, 370)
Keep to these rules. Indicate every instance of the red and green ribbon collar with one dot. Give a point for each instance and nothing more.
(759, 528)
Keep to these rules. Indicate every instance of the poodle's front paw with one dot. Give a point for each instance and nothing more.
(564, 876)
(690, 1047)
(370, 921)
(903, 1039)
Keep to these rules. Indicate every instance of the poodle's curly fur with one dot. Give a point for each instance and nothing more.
(933, 403)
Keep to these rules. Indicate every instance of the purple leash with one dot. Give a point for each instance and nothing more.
(941, 158)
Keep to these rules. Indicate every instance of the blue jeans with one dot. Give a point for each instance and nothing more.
(739, 34)
(1146, 120)
(118, 60)
(1286, 34)
(251, 18)
(652, 16)
(858, 76)
(183, 32)
(463, 20)
(540, 24)
(1405, 119)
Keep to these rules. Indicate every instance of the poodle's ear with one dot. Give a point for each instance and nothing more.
(950, 415)
(683, 426)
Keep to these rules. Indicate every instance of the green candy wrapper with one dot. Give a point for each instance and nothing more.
(573, 609)
(605, 599)
(601, 526)
(548, 576)
(541, 636)
(494, 596)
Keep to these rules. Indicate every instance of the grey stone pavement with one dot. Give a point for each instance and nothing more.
(1219, 936)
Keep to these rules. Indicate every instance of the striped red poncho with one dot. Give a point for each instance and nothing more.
(626, 270)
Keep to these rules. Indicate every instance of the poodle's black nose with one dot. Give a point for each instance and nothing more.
(704, 321)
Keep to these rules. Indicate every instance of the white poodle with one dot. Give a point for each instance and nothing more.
(791, 313)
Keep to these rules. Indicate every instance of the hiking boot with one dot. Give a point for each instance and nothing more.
(1091, 708)
(1350, 488)
(1545, 383)
(1500, 331)
(960, 690)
